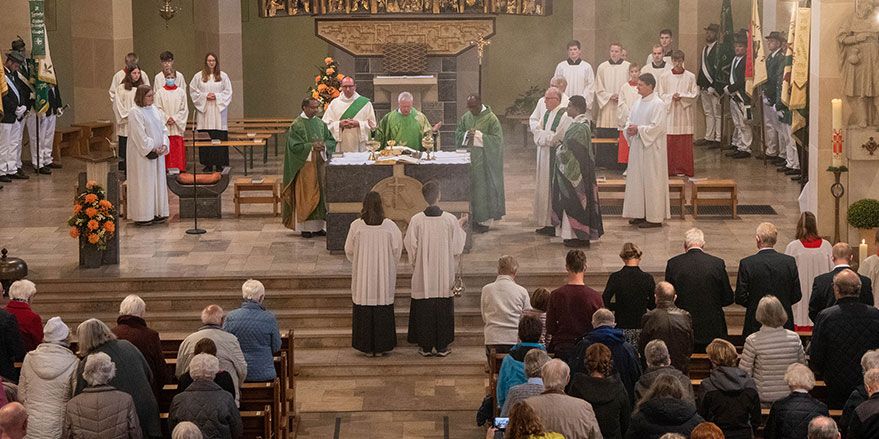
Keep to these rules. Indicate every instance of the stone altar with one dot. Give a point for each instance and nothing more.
(351, 176)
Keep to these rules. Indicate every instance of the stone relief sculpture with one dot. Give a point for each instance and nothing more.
(858, 40)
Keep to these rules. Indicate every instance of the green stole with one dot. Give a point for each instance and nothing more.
(354, 108)
(555, 122)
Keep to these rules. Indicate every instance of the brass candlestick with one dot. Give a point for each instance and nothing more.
(372, 146)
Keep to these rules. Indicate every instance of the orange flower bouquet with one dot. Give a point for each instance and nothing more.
(327, 84)
(94, 217)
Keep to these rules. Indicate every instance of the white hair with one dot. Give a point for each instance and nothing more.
(870, 360)
(132, 305)
(92, 334)
(767, 233)
(559, 82)
(405, 96)
(656, 354)
(212, 315)
(871, 381)
(556, 374)
(603, 317)
(204, 367)
(99, 369)
(253, 290)
(186, 430)
(798, 376)
(22, 290)
(694, 238)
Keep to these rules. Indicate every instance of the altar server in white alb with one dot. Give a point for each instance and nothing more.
(561, 84)
(166, 59)
(628, 95)
(373, 246)
(211, 92)
(350, 118)
(611, 75)
(666, 44)
(147, 143)
(123, 102)
(657, 65)
(172, 102)
(678, 90)
(578, 73)
(433, 240)
(131, 60)
(548, 134)
(646, 197)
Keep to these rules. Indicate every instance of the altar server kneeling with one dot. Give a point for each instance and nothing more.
(432, 241)
(147, 142)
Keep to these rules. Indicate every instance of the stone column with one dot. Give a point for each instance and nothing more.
(14, 21)
(101, 34)
(218, 30)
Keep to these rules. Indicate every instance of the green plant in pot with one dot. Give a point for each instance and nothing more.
(525, 102)
(864, 215)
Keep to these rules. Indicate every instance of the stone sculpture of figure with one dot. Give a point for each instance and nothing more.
(272, 7)
(336, 6)
(858, 40)
(360, 6)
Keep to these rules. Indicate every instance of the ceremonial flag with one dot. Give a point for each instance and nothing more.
(41, 68)
(755, 63)
(3, 90)
(795, 87)
(725, 40)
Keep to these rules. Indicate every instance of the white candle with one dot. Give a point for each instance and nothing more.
(837, 113)
(862, 251)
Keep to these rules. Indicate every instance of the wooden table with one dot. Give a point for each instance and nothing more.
(270, 184)
(272, 132)
(238, 145)
(287, 120)
(726, 188)
(65, 137)
(102, 129)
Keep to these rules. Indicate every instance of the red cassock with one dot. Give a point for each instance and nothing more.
(176, 157)
(623, 151)
(680, 154)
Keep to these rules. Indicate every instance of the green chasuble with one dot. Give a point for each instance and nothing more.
(405, 130)
(304, 179)
(486, 165)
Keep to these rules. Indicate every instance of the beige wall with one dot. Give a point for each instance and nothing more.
(151, 38)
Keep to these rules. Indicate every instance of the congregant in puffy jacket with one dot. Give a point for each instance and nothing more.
(48, 378)
(512, 371)
(625, 356)
(101, 411)
(663, 409)
(790, 416)
(728, 397)
(206, 404)
(257, 331)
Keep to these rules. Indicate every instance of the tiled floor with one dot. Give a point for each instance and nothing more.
(35, 212)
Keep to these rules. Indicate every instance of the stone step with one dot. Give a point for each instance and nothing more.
(464, 361)
(397, 393)
(317, 338)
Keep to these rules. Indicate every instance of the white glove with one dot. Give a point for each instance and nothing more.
(712, 90)
(19, 111)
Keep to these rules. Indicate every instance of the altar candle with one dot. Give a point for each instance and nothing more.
(837, 113)
(836, 158)
(862, 251)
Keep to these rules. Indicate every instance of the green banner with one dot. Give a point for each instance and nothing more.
(38, 28)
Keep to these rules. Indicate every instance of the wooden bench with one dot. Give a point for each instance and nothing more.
(65, 138)
(617, 187)
(268, 184)
(726, 188)
(94, 133)
(256, 423)
(819, 391)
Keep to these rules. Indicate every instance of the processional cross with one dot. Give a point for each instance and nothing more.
(481, 43)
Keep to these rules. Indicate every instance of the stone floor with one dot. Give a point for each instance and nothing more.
(35, 212)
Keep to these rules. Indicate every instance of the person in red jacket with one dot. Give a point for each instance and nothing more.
(30, 324)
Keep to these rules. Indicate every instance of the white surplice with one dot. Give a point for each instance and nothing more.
(647, 178)
(540, 110)
(628, 95)
(211, 115)
(117, 79)
(147, 195)
(351, 139)
(870, 268)
(680, 114)
(546, 139)
(811, 263)
(608, 80)
(173, 103)
(122, 104)
(179, 80)
(580, 77)
(432, 242)
(374, 252)
(657, 72)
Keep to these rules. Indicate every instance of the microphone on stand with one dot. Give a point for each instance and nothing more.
(195, 230)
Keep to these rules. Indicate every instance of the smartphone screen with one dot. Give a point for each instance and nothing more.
(501, 423)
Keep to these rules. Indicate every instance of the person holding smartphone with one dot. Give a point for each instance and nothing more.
(523, 423)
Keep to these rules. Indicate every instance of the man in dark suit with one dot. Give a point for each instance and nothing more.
(822, 287)
(15, 105)
(739, 101)
(842, 334)
(767, 273)
(670, 324)
(703, 289)
(707, 81)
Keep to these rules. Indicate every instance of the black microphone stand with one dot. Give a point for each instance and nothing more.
(194, 230)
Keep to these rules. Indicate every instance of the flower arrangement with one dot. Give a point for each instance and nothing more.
(94, 217)
(327, 84)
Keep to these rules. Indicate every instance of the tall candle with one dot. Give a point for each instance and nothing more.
(837, 113)
(862, 252)
(836, 158)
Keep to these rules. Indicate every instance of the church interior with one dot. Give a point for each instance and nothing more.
(503, 51)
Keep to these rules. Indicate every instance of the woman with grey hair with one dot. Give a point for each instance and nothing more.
(257, 331)
(769, 351)
(205, 403)
(186, 430)
(21, 294)
(790, 416)
(101, 411)
(132, 373)
(131, 326)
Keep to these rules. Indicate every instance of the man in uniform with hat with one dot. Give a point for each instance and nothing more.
(709, 83)
(775, 149)
(739, 101)
(16, 102)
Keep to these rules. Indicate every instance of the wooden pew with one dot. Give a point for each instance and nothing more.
(257, 423)
(819, 391)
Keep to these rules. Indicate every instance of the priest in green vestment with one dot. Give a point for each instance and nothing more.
(406, 126)
(479, 130)
(309, 144)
